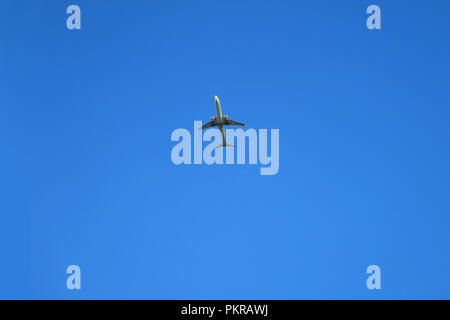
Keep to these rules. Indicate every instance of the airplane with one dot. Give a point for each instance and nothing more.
(220, 121)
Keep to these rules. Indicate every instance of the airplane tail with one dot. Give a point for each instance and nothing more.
(225, 144)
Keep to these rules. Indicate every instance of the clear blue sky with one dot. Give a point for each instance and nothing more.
(86, 119)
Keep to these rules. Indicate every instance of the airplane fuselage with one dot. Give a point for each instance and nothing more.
(219, 119)
(218, 110)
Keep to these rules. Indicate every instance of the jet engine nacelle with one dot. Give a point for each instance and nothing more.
(212, 118)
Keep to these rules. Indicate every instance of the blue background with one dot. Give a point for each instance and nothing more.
(86, 118)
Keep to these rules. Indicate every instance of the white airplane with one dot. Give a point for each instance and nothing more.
(220, 121)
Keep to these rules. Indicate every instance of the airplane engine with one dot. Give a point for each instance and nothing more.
(212, 118)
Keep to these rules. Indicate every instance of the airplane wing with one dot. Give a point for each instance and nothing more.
(207, 125)
(232, 123)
